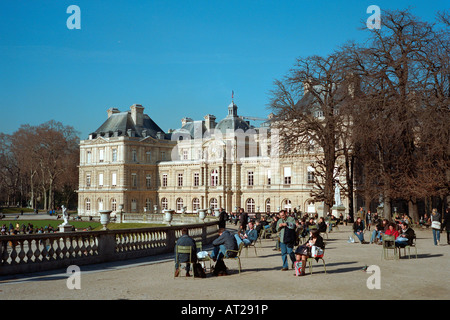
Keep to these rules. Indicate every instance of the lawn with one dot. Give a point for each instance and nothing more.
(80, 224)
(53, 223)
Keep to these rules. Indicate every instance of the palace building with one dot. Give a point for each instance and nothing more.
(129, 160)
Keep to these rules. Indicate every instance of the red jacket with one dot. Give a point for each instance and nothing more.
(390, 232)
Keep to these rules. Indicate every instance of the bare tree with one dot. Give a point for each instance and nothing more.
(306, 106)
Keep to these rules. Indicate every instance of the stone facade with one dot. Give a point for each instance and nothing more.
(204, 164)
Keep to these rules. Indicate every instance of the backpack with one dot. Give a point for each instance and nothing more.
(219, 267)
(199, 272)
(290, 235)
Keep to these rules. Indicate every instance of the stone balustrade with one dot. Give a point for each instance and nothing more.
(47, 251)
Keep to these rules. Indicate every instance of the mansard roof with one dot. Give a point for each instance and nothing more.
(121, 124)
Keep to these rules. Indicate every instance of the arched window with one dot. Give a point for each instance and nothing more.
(100, 204)
(214, 178)
(179, 205)
(250, 203)
(268, 205)
(195, 204)
(164, 204)
(213, 203)
(287, 205)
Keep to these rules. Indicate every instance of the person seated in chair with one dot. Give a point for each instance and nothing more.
(185, 240)
(225, 241)
(249, 236)
(303, 252)
(406, 237)
(321, 225)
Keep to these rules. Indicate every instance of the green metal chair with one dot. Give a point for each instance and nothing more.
(389, 244)
(205, 259)
(187, 250)
(310, 260)
(237, 257)
(409, 246)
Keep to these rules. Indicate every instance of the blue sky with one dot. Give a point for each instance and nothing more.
(178, 58)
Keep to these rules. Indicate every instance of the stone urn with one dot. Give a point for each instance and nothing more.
(202, 214)
(168, 215)
(105, 217)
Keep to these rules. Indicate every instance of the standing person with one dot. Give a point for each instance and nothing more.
(446, 224)
(368, 219)
(243, 220)
(286, 228)
(223, 217)
(436, 226)
(185, 240)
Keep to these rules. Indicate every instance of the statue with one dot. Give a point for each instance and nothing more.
(337, 196)
(65, 216)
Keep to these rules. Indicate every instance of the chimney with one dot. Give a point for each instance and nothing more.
(137, 114)
(210, 122)
(185, 120)
(111, 111)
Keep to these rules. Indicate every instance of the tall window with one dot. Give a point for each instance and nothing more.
(214, 178)
(100, 179)
(101, 155)
(133, 205)
(113, 204)
(148, 156)
(269, 177)
(180, 179)
(213, 203)
(268, 205)
(88, 180)
(148, 181)
(179, 205)
(88, 204)
(114, 155)
(88, 157)
(163, 155)
(148, 204)
(134, 180)
(287, 175)
(164, 180)
(250, 205)
(196, 179)
(250, 178)
(310, 174)
(164, 204)
(195, 204)
(114, 179)
(287, 205)
(185, 154)
(134, 155)
(100, 204)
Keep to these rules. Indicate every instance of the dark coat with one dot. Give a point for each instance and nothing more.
(185, 240)
(228, 240)
(223, 217)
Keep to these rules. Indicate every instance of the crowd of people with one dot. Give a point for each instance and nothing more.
(291, 226)
(288, 226)
(25, 229)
